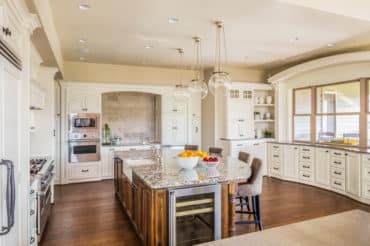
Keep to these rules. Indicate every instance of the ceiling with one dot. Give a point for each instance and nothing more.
(263, 34)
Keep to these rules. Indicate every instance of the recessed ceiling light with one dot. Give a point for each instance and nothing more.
(82, 58)
(330, 45)
(85, 50)
(84, 6)
(295, 39)
(173, 20)
(83, 40)
(148, 47)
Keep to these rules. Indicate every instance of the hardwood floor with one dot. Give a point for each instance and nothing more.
(89, 214)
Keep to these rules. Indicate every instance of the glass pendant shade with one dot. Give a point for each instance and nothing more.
(197, 85)
(219, 79)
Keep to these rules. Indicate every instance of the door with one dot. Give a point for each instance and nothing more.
(353, 173)
(322, 170)
(12, 129)
(291, 157)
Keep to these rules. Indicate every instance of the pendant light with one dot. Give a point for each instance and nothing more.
(219, 77)
(198, 84)
(181, 90)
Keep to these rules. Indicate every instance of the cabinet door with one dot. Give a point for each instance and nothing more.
(13, 38)
(174, 128)
(83, 102)
(92, 103)
(107, 162)
(322, 170)
(353, 174)
(291, 157)
(76, 104)
(259, 151)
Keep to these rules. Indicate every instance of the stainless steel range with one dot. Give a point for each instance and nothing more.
(42, 169)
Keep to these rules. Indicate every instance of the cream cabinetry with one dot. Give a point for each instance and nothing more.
(83, 101)
(174, 121)
(323, 171)
(107, 162)
(345, 172)
(84, 171)
(291, 162)
(10, 31)
(32, 215)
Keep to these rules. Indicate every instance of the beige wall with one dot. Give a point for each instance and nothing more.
(84, 71)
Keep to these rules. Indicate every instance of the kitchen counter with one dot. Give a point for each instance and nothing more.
(130, 145)
(171, 176)
(327, 146)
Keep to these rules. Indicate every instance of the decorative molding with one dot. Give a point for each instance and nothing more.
(20, 11)
(347, 58)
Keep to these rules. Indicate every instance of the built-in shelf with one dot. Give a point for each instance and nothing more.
(261, 121)
(264, 105)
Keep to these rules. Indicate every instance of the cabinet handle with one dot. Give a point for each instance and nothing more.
(275, 168)
(346, 154)
(174, 110)
(174, 128)
(305, 149)
(239, 145)
(368, 172)
(32, 240)
(256, 144)
(336, 153)
(241, 135)
(337, 162)
(327, 151)
(241, 120)
(304, 166)
(337, 183)
(306, 176)
(32, 191)
(84, 170)
(276, 156)
(338, 173)
(295, 148)
(32, 212)
(306, 157)
(275, 147)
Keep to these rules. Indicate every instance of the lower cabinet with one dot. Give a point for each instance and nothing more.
(322, 172)
(107, 162)
(84, 171)
(345, 172)
(353, 174)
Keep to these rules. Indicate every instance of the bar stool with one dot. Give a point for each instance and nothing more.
(191, 147)
(244, 157)
(253, 189)
(215, 151)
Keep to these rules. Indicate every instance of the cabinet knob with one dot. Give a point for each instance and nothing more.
(32, 212)
(327, 151)
(84, 170)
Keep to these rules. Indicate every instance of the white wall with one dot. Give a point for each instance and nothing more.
(42, 140)
(332, 74)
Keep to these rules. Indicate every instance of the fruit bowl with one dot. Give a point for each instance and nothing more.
(210, 161)
(187, 162)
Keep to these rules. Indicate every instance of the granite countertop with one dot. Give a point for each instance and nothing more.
(130, 145)
(328, 146)
(171, 176)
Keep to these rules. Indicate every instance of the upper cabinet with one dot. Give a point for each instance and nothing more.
(37, 97)
(82, 101)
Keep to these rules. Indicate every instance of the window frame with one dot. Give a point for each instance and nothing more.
(363, 114)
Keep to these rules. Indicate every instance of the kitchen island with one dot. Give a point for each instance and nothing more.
(146, 196)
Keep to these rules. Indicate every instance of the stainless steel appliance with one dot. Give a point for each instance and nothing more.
(84, 137)
(84, 122)
(9, 198)
(194, 215)
(42, 170)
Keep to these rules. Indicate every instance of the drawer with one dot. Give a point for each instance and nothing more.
(305, 167)
(307, 151)
(338, 173)
(276, 157)
(366, 173)
(338, 162)
(276, 147)
(239, 145)
(337, 153)
(275, 170)
(338, 184)
(306, 176)
(366, 160)
(366, 190)
(84, 171)
(306, 157)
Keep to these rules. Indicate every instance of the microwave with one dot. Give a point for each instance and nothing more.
(84, 121)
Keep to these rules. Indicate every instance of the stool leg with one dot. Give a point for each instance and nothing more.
(258, 212)
(241, 202)
(254, 204)
(247, 200)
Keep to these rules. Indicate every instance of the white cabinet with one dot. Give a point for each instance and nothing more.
(291, 158)
(107, 163)
(174, 122)
(10, 31)
(275, 160)
(322, 172)
(82, 101)
(84, 171)
(353, 174)
(32, 215)
(37, 97)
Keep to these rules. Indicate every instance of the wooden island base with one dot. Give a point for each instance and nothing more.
(148, 209)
